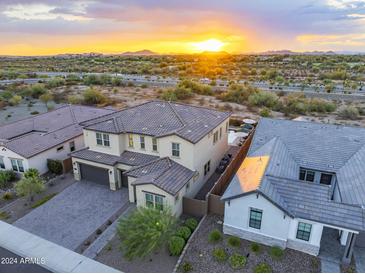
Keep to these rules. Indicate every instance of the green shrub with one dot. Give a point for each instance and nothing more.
(7, 196)
(4, 215)
(263, 268)
(215, 236)
(176, 245)
(237, 261)
(93, 97)
(234, 241)
(6, 177)
(55, 166)
(255, 247)
(191, 223)
(263, 99)
(219, 254)
(265, 112)
(276, 252)
(187, 267)
(31, 173)
(145, 230)
(349, 112)
(37, 90)
(183, 232)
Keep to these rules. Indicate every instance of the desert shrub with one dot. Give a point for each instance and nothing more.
(349, 112)
(29, 186)
(31, 173)
(7, 196)
(145, 230)
(37, 90)
(263, 268)
(265, 112)
(55, 166)
(196, 87)
(321, 106)
(237, 93)
(237, 261)
(93, 96)
(187, 267)
(6, 176)
(255, 247)
(191, 223)
(183, 232)
(276, 252)
(263, 99)
(176, 245)
(219, 254)
(15, 100)
(55, 82)
(234, 241)
(179, 93)
(74, 99)
(34, 112)
(215, 236)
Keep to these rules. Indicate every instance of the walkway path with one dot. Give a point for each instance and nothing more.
(331, 251)
(359, 254)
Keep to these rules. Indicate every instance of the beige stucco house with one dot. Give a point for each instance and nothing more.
(160, 151)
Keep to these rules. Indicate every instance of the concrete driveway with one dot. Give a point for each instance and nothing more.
(74, 214)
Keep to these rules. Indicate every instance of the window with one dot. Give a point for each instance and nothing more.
(207, 168)
(227, 127)
(215, 137)
(106, 140)
(149, 200)
(17, 165)
(220, 133)
(304, 231)
(59, 149)
(102, 139)
(72, 146)
(154, 144)
(326, 179)
(176, 149)
(2, 164)
(141, 140)
(130, 140)
(187, 186)
(306, 175)
(154, 201)
(255, 218)
(99, 139)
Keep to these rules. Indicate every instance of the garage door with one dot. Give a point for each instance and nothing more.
(360, 240)
(94, 174)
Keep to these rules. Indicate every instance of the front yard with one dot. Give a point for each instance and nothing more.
(199, 255)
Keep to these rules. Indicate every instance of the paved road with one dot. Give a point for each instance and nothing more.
(172, 81)
(12, 263)
(73, 215)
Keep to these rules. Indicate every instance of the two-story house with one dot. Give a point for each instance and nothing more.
(160, 151)
(302, 184)
(28, 143)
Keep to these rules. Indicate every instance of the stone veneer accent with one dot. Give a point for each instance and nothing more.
(267, 240)
(254, 237)
(303, 247)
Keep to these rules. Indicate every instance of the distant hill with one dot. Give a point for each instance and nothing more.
(140, 52)
(289, 52)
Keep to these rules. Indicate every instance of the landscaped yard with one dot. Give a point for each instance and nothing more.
(212, 252)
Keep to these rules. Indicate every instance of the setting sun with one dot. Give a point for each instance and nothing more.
(208, 45)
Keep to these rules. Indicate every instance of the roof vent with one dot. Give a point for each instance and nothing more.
(110, 121)
(144, 171)
(132, 159)
(144, 129)
(98, 156)
(331, 166)
(205, 125)
(189, 130)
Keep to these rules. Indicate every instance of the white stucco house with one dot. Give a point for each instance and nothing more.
(299, 183)
(28, 143)
(160, 151)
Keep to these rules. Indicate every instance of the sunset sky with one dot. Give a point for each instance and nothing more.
(40, 27)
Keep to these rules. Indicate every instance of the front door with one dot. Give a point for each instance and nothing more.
(123, 178)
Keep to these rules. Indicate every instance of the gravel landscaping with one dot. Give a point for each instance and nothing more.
(159, 261)
(199, 254)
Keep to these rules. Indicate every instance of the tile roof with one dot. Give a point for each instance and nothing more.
(163, 173)
(38, 133)
(159, 118)
(291, 145)
(127, 157)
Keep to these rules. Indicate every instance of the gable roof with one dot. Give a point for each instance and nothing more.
(160, 118)
(38, 133)
(291, 145)
(163, 173)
